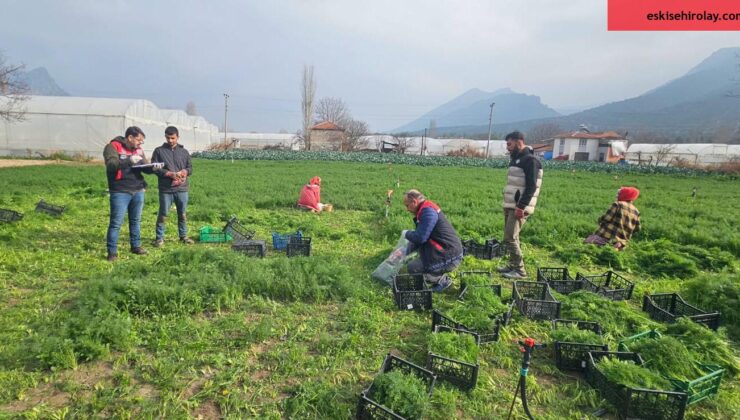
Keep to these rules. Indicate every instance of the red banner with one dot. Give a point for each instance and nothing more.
(674, 15)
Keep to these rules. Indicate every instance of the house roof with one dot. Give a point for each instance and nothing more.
(541, 147)
(607, 135)
(326, 125)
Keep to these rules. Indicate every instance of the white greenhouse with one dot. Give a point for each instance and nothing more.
(83, 126)
(693, 153)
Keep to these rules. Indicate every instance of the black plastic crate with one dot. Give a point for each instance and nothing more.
(461, 374)
(496, 288)
(634, 403)
(237, 231)
(410, 292)
(10, 215)
(559, 279)
(299, 247)
(50, 209)
(252, 248)
(534, 300)
(572, 356)
(609, 284)
(482, 337)
(367, 408)
(490, 249)
(668, 307)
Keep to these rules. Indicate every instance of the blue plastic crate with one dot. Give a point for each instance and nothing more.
(280, 240)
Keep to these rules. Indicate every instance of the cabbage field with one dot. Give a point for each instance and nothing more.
(202, 331)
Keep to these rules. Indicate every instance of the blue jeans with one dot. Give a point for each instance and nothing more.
(120, 204)
(181, 204)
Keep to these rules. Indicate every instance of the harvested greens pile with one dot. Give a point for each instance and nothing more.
(572, 334)
(629, 374)
(403, 393)
(454, 346)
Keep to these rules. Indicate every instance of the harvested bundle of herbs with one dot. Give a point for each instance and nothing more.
(484, 298)
(472, 317)
(627, 373)
(667, 356)
(705, 345)
(616, 317)
(573, 334)
(476, 279)
(454, 346)
(404, 394)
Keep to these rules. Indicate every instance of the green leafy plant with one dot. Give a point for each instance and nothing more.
(667, 356)
(404, 394)
(706, 345)
(627, 373)
(454, 346)
(572, 334)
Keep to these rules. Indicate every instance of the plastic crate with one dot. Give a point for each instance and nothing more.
(299, 247)
(462, 275)
(482, 337)
(461, 374)
(210, 234)
(252, 248)
(559, 279)
(367, 408)
(609, 284)
(410, 292)
(237, 231)
(490, 249)
(634, 403)
(668, 307)
(280, 240)
(697, 389)
(10, 215)
(50, 209)
(496, 289)
(572, 356)
(534, 300)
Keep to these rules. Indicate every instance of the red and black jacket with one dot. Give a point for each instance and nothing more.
(434, 237)
(121, 176)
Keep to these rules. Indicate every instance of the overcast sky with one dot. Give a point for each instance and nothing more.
(389, 60)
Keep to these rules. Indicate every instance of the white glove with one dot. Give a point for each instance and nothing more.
(135, 159)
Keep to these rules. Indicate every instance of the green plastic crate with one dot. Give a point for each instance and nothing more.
(213, 235)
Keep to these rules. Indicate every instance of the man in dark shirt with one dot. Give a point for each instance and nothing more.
(124, 164)
(173, 184)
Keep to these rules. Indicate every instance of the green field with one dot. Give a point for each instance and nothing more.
(201, 330)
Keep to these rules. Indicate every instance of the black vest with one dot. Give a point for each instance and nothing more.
(443, 245)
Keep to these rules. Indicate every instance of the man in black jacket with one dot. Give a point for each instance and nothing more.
(173, 184)
(520, 197)
(124, 164)
(439, 246)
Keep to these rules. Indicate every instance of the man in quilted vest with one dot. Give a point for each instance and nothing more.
(124, 164)
(520, 197)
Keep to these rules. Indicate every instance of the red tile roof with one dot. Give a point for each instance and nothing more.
(326, 125)
(610, 135)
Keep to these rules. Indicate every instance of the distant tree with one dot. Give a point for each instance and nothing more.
(543, 131)
(354, 132)
(13, 92)
(333, 110)
(662, 154)
(190, 109)
(308, 92)
(403, 143)
(432, 131)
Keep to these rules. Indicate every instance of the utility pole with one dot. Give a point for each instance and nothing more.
(226, 109)
(490, 122)
(421, 151)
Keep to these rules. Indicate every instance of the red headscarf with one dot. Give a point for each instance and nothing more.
(628, 194)
(315, 181)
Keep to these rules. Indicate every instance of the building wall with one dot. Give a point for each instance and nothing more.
(326, 139)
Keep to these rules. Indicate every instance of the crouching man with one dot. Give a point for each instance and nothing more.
(440, 248)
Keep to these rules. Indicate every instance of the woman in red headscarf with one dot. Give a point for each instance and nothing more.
(620, 222)
(310, 198)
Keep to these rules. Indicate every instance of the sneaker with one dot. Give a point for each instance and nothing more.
(112, 256)
(158, 243)
(504, 269)
(187, 241)
(515, 275)
(138, 250)
(442, 284)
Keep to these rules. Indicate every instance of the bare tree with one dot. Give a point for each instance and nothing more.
(333, 110)
(662, 153)
(308, 92)
(13, 92)
(355, 131)
(190, 108)
(543, 131)
(403, 143)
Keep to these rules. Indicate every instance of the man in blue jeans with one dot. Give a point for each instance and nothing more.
(124, 164)
(173, 184)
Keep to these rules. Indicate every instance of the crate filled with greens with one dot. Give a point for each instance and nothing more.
(486, 297)
(559, 279)
(609, 284)
(485, 328)
(453, 356)
(572, 340)
(534, 300)
(410, 293)
(401, 390)
(634, 391)
(668, 307)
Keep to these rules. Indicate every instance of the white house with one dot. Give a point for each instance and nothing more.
(582, 145)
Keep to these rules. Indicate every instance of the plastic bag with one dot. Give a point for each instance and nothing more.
(388, 269)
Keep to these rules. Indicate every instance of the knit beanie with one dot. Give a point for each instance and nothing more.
(628, 194)
(315, 181)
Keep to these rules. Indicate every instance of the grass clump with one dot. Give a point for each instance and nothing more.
(668, 356)
(402, 393)
(627, 373)
(573, 334)
(454, 346)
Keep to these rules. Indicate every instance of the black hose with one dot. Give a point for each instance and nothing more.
(523, 387)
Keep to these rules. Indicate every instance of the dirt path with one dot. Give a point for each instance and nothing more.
(7, 163)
